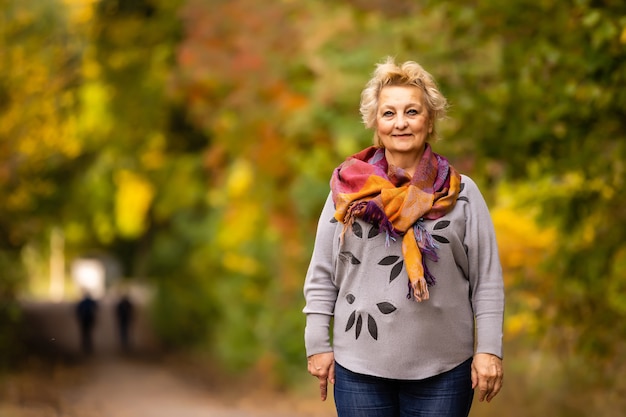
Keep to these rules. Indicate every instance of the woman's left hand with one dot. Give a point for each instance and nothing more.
(322, 366)
(487, 375)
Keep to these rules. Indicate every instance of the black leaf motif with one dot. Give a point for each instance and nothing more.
(348, 256)
(386, 308)
(463, 199)
(351, 321)
(357, 229)
(333, 220)
(374, 231)
(359, 326)
(395, 271)
(440, 239)
(389, 260)
(441, 225)
(350, 298)
(372, 327)
(462, 187)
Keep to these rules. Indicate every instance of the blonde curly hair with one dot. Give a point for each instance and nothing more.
(409, 73)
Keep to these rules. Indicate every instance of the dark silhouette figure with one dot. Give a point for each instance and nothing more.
(124, 315)
(86, 312)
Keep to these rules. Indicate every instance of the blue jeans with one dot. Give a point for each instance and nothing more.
(449, 394)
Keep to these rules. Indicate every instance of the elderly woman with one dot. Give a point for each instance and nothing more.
(405, 267)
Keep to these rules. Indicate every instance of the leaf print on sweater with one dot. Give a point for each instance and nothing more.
(356, 319)
(372, 327)
(386, 308)
(374, 231)
(397, 268)
(349, 257)
(462, 198)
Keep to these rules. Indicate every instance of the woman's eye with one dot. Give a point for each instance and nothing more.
(412, 112)
(388, 113)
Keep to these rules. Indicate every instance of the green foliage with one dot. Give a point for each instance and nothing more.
(563, 127)
(182, 310)
(39, 149)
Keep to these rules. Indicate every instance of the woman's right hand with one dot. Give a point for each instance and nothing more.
(322, 366)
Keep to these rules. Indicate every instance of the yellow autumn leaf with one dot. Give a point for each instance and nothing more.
(133, 197)
(239, 179)
(239, 225)
(80, 11)
(523, 322)
(521, 242)
(239, 263)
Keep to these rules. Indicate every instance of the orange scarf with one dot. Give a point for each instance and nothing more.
(364, 186)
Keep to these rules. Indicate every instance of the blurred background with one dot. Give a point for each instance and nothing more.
(178, 153)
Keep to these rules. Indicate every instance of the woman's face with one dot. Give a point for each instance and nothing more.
(402, 121)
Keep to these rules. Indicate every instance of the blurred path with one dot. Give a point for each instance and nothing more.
(125, 388)
(110, 384)
(120, 388)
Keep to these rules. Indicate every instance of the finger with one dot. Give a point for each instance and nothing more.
(484, 389)
(474, 378)
(331, 373)
(481, 395)
(323, 388)
(497, 386)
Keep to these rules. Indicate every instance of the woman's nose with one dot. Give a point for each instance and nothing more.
(401, 121)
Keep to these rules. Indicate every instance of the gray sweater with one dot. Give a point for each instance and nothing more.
(363, 285)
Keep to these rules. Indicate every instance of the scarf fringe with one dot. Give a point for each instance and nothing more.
(428, 247)
(418, 290)
(373, 214)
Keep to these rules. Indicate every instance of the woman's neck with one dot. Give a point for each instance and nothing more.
(407, 161)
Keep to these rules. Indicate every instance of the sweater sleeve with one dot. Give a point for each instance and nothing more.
(320, 293)
(485, 273)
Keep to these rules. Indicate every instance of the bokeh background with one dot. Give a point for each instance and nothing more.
(188, 145)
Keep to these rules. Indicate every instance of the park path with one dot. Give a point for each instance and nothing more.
(127, 387)
(141, 384)
(130, 388)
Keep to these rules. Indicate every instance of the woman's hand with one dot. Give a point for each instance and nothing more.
(322, 366)
(487, 375)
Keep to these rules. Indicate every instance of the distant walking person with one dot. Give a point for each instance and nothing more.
(124, 315)
(86, 312)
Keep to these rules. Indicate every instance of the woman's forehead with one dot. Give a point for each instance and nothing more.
(394, 94)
